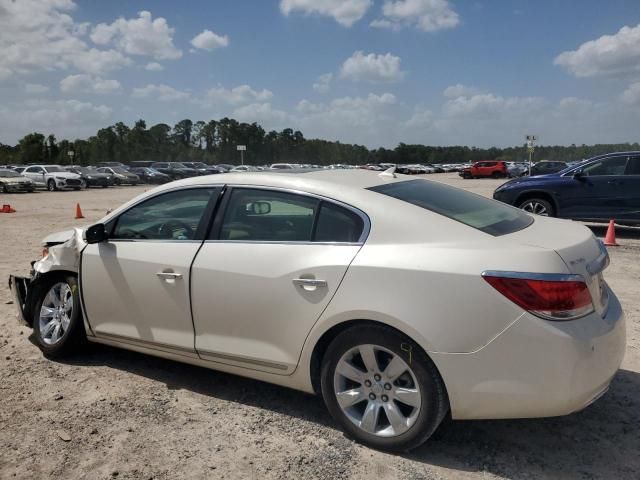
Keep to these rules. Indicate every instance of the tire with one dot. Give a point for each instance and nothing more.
(537, 206)
(68, 320)
(416, 423)
(51, 186)
(3, 188)
(496, 175)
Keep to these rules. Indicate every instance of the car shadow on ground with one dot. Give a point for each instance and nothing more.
(604, 432)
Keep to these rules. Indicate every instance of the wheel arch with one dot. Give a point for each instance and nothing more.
(322, 344)
(36, 281)
(538, 194)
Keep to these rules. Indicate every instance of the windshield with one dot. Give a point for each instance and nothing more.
(488, 216)
(119, 170)
(178, 165)
(8, 173)
(53, 169)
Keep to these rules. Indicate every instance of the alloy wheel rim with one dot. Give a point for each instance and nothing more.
(536, 208)
(377, 391)
(55, 313)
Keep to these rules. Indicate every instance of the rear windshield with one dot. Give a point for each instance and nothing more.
(488, 216)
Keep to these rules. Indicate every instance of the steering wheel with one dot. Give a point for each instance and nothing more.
(169, 228)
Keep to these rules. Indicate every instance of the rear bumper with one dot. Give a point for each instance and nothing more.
(20, 288)
(537, 368)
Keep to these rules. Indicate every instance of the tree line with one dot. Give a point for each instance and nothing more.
(215, 142)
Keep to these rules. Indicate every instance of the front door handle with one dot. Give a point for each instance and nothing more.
(169, 275)
(309, 284)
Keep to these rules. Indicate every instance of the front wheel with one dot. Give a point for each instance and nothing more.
(382, 388)
(51, 186)
(57, 321)
(537, 206)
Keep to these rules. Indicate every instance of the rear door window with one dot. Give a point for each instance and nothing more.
(256, 215)
(338, 224)
(488, 216)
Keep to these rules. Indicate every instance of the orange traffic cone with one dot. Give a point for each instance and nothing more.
(79, 211)
(7, 209)
(610, 238)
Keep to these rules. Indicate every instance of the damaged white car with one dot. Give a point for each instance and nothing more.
(397, 300)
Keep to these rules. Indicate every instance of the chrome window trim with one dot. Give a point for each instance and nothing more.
(169, 190)
(549, 277)
(366, 227)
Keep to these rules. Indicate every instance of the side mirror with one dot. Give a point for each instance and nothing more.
(259, 208)
(95, 233)
(578, 174)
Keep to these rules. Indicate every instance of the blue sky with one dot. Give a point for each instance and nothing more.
(374, 72)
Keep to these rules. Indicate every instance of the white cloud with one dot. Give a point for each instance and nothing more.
(369, 120)
(573, 103)
(631, 95)
(372, 68)
(260, 112)
(240, 95)
(161, 92)
(321, 85)
(138, 36)
(609, 55)
(35, 88)
(83, 83)
(459, 90)
(345, 12)
(64, 118)
(41, 35)
(421, 118)
(346, 111)
(208, 40)
(425, 15)
(490, 104)
(154, 67)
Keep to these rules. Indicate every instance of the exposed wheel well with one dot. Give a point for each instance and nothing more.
(541, 195)
(326, 339)
(30, 301)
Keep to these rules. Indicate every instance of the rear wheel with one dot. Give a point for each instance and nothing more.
(496, 175)
(3, 188)
(57, 321)
(537, 206)
(51, 186)
(382, 388)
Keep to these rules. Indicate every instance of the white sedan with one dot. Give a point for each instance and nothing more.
(397, 299)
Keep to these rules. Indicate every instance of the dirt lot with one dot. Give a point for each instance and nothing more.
(109, 413)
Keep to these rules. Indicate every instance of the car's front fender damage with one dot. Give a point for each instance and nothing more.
(61, 254)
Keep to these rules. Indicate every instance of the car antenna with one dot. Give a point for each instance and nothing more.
(389, 172)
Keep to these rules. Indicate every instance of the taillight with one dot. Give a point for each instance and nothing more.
(554, 297)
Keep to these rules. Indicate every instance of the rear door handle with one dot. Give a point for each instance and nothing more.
(309, 284)
(169, 275)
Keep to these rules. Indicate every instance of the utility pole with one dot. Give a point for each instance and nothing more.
(531, 145)
(241, 149)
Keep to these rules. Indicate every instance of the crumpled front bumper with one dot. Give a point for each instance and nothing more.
(20, 289)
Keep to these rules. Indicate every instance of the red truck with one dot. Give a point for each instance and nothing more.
(486, 169)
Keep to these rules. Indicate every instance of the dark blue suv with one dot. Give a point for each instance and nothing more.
(598, 189)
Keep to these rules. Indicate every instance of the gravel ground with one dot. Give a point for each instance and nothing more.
(109, 413)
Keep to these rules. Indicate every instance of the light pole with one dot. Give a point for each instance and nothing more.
(531, 145)
(71, 153)
(241, 149)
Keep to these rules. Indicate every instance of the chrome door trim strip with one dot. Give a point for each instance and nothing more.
(163, 347)
(216, 356)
